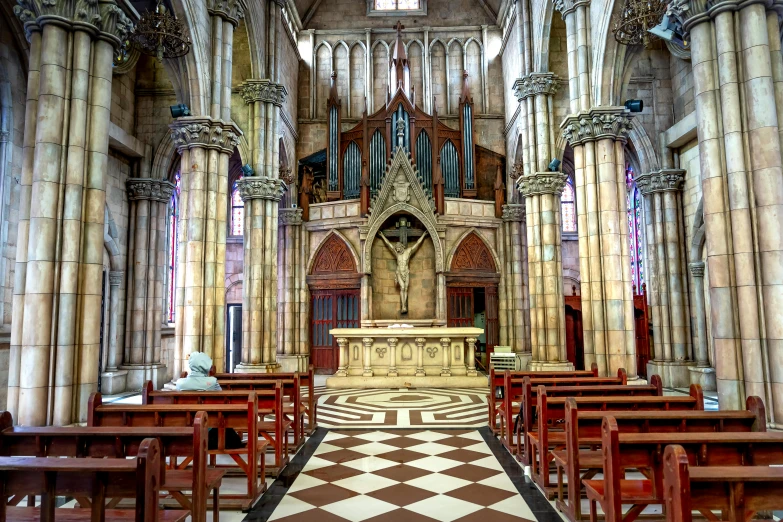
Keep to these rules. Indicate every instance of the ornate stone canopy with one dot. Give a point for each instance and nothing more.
(401, 193)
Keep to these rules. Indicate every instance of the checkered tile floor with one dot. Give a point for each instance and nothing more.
(402, 476)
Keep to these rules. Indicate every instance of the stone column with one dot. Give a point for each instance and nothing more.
(367, 342)
(114, 380)
(662, 192)
(392, 341)
(471, 362)
(542, 192)
(737, 70)
(149, 199)
(598, 138)
(445, 345)
(292, 342)
(55, 338)
(517, 309)
(259, 290)
(342, 369)
(420, 356)
(702, 373)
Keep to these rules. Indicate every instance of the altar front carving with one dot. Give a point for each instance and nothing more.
(398, 357)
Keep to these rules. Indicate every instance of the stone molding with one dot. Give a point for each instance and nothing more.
(542, 183)
(694, 12)
(102, 18)
(115, 278)
(230, 10)
(536, 83)
(149, 189)
(290, 216)
(261, 187)
(203, 132)
(5, 136)
(569, 6)
(517, 170)
(665, 180)
(596, 124)
(513, 212)
(263, 91)
(696, 268)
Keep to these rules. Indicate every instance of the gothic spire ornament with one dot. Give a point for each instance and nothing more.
(161, 34)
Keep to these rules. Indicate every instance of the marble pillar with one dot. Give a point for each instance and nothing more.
(662, 192)
(598, 137)
(736, 77)
(205, 145)
(542, 192)
(516, 290)
(293, 348)
(259, 290)
(55, 333)
(114, 380)
(149, 200)
(702, 373)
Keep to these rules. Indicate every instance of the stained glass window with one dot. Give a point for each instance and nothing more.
(633, 200)
(568, 208)
(237, 211)
(397, 5)
(172, 250)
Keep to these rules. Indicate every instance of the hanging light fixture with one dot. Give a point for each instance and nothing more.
(636, 19)
(160, 34)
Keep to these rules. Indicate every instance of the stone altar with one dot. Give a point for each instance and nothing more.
(407, 356)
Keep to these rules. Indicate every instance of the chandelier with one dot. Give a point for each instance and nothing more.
(160, 34)
(636, 19)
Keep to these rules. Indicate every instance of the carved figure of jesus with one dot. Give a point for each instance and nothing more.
(402, 273)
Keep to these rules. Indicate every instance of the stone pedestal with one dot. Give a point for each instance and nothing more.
(674, 374)
(114, 382)
(293, 363)
(704, 377)
(258, 368)
(544, 366)
(138, 374)
(523, 360)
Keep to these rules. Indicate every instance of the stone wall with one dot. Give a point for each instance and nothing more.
(346, 14)
(123, 101)
(154, 96)
(289, 77)
(422, 288)
(234, 270)
(682, 86)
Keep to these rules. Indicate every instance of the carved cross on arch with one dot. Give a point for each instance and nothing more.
(399, 27)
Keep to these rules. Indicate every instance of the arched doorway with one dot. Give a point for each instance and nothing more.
(472, 293)
(334, 300)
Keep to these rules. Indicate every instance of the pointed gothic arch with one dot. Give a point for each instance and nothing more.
(471, 252)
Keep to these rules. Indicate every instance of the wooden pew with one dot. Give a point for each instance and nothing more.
(270, 402)
(536, 435)
(583, 430)
(90, 480)
(240, 417)
(80, 442)
(496, 384)
(738, 491)
(306, 379)
(293, 409)
(643, 451)
(514, 393)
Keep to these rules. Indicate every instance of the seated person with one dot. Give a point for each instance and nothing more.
(199, 380)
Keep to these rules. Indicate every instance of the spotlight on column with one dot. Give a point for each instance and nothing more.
(179, 110)
(670, 29)
(247, 170)
(554, 165)
(634, 105)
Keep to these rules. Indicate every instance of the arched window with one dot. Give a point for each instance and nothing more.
(172, 249)
(568, 208)
(237, 211)
(396, 5)
(633, 200)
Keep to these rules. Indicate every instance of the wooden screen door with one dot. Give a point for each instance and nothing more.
(460, 306)
(330, 309)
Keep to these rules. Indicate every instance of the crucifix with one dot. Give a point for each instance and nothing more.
(399, 27)
(403, 253)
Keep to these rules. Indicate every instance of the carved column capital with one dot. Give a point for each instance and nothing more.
(102, 18)
(568, 6)
(203, 132)
(230, 10)
(542, 183)
(115, 278)
(665, 180)
(536, 83)
(596, 124)
(513, 212)
(420, 341)
(261, 187)
(290, 216)
(263, 91)
(149, 189)
(696, 268)
(287, 175)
